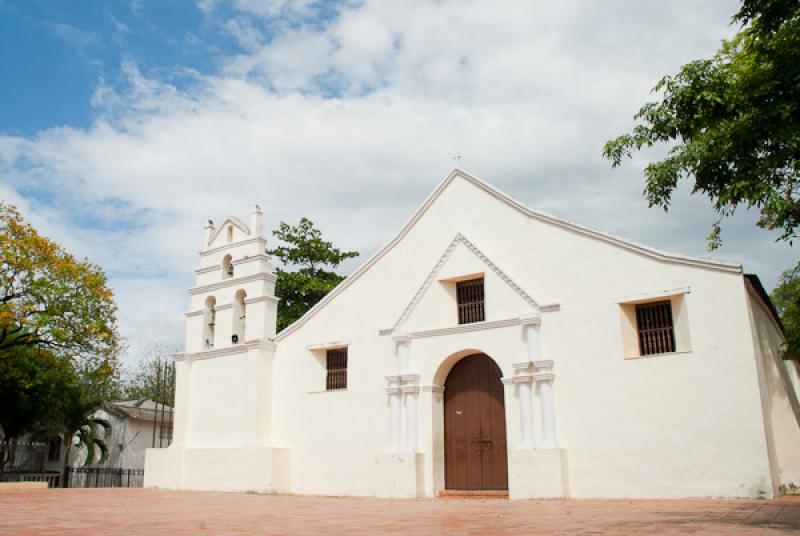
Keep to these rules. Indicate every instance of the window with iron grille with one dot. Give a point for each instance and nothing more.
(336, 361)
(470, 301)
(656, 330)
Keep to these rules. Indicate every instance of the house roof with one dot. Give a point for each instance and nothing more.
(629, 245)
(144, 408)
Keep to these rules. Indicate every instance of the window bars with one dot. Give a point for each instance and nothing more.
(656, 332)
(470, 301)
(337, 369)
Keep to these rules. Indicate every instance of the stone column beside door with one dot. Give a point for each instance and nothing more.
(399, 468)
(537, 469)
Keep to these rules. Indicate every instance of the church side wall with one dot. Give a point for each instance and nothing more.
(680, 425)
(778, 380)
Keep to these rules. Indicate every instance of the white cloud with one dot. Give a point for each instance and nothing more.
(527, 93)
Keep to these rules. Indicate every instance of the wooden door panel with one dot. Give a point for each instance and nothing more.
(474, 426)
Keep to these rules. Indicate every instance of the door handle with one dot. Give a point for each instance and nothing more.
(482, 443)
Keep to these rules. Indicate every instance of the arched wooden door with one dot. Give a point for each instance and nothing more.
(475, 426)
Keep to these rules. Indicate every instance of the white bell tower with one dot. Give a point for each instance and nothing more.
(234, 300)
(223, 391)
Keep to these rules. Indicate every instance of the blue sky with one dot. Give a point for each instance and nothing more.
(124, 125)
(55, 53)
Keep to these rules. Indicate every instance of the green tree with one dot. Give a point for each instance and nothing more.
(313, 260)
(44, 395)
(152, 376)
(49, 299)
(732, 123)
(786, 298)
(58, 338)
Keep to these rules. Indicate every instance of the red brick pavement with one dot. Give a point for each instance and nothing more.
(148, 511)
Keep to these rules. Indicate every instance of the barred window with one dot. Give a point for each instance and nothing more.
(656, 330)
(336, 362)
(470, 301)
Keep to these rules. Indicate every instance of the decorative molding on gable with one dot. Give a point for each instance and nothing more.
(225, 352)
(230, 219)
(725, 266)
(579, 229)
(638, 298)
(461, 328)
(474, 326)
(461, 239)
(230, 245)
(233, 282)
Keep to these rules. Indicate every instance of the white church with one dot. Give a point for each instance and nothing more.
(486, 349)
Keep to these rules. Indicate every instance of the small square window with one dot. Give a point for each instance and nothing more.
(336, 364)
(470, 301)
(655, 327)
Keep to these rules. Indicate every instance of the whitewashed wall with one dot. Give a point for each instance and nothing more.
(688, 424)
(778, 380)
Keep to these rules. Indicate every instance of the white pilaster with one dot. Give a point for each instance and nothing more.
(208, 232)
(410, 394)
(403, 385)
(395, 392)
(256, 216)
(531, 324)
(524, 382)
(523, 377)
(402, 341)
(544, 377)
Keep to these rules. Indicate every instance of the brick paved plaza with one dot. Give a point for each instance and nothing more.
(147, 511)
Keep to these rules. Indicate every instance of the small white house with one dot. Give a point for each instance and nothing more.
(123, 430)
(487, 347)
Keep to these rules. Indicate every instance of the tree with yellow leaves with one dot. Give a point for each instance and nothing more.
(49, 299)
(58, 337)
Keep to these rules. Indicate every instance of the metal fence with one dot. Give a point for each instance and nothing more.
(102, 477)
(53, 479)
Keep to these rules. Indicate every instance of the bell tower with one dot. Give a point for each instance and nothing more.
(234, 301)
(223, 391)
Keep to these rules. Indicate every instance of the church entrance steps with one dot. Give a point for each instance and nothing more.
(473, 494)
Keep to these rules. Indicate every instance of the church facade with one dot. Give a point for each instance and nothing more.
(488, 348)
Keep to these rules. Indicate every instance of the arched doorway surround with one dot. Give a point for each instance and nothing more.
(475, 444)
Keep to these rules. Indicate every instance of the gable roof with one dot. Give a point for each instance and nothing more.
(711, 264)
(143, 408)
